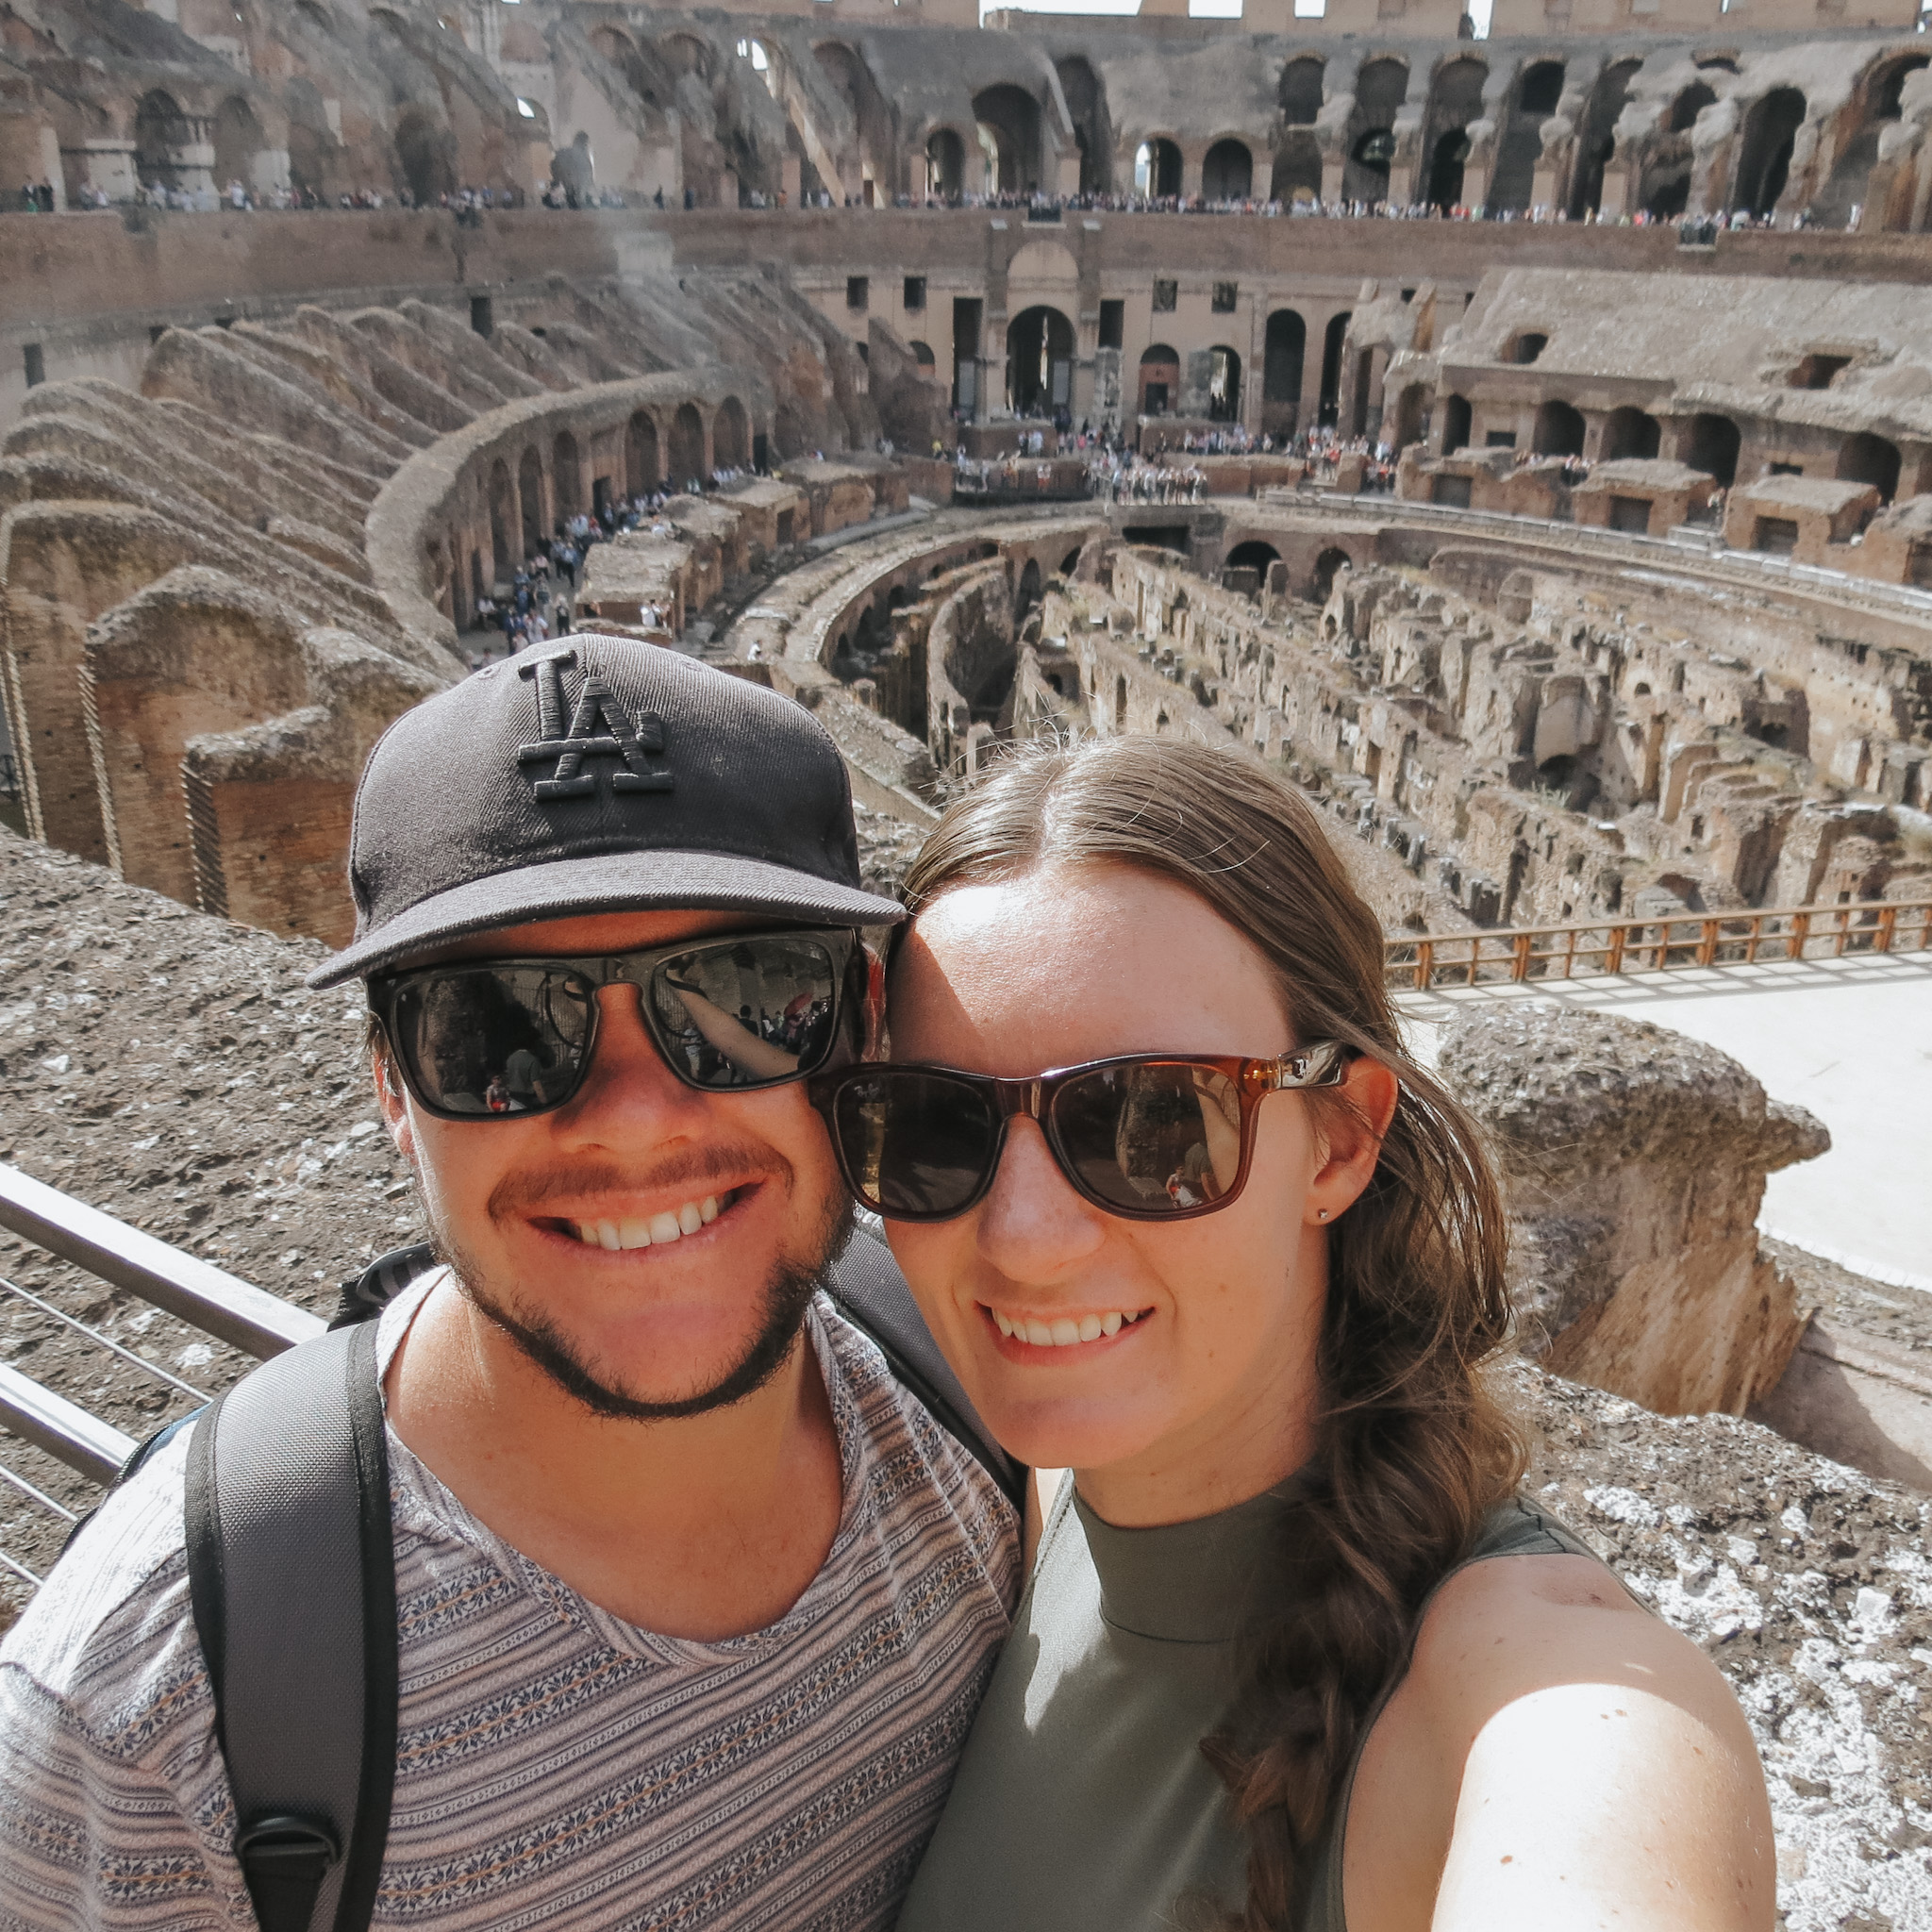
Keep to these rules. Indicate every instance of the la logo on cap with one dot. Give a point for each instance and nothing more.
(600, 727)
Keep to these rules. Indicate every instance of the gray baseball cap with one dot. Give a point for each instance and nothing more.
(596, 775)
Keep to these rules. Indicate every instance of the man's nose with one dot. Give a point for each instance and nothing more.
(628, 1088)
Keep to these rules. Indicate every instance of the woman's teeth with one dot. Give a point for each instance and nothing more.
(647, 1234)
(1064, 1332)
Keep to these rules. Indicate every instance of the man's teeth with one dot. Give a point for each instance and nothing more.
(1064, 1332)
(655, 1232)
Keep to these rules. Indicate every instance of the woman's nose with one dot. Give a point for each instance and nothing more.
(1032, 1224)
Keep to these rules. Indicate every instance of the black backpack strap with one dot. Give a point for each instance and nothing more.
(289, 1553)
(868, 1290)
(365, 1295)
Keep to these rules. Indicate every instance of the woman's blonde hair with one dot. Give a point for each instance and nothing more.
(1411, 1452)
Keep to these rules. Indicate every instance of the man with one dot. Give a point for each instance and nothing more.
(695, 1601)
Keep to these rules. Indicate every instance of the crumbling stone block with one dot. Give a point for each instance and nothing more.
(1634, 1161)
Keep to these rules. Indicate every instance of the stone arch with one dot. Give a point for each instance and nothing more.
(1558, 429)
(1712, 446)
(945, 164)
(730, 436)
(1332, 340)
(506, 523)
(1380, 88)
(1596, 137)
(426, 156)
(1011, 116)
(1224, 384)
(1157, 168)
(1299, 91)
(1329, 566)
(1297, 173)
(1771, 132)
(1533, 100)
(160, 131)
(1629, 432)
(1286, 350)
(642, 470)
(1405, 425)
(1867, 458)
(1685, 109)
(530, 499)
(1086, 99)
(686, 53)
(238, 138)
(1850, 169)
(1455, 99)
(566, 476)
(1457, 417)
(1253, 554)
(1161, 371)
(687, 452)
(1028, 594)
(1039, 361)
(1228, 172)
(923, 355)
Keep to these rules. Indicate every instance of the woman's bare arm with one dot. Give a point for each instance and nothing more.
(1558, 1759)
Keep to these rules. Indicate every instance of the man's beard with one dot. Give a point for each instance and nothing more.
(788, 1293)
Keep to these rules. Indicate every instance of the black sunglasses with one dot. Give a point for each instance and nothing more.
(1149, 1136)
(481, 1038)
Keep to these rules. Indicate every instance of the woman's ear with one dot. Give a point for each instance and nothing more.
(1353, 1123)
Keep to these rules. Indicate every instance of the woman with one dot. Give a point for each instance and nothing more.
(1293, 1652)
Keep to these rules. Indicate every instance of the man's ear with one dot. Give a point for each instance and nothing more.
(1352, 1126)
(389, 1098)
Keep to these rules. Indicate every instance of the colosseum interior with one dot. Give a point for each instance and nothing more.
(1517, 428)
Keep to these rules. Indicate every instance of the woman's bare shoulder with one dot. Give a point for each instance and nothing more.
(1572, 1760)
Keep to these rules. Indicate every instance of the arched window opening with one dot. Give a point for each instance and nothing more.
(730, 437)
(1300, 93)
(1713, 447)
(1771, 131)
(687, 446)
(1281, 371)
(1629, 432)
(1867, 458)
(945, 165)
(1456, 425)
(1160, 380)
(1224, 384)
(1559, 430)
(1040, 363)
(1228, 172)
(1336, 334)
(1157, 169)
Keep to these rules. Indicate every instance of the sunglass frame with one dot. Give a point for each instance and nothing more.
(1320, 1063)
(599, 970)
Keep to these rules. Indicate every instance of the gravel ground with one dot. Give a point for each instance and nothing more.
(171, 1068)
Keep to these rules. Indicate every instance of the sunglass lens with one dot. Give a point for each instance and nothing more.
(747, 1013)
(1152, 1137)
(493, 1039)
(916, 1145)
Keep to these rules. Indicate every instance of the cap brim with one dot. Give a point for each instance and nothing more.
(610, 882)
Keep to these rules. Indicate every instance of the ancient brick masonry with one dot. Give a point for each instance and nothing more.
(216, 592)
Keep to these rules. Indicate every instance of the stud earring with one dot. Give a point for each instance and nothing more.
(1321, 1214)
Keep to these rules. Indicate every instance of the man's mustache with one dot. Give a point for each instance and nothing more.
(529, 1191)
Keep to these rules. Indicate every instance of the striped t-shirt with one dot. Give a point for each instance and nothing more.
(555, 1766)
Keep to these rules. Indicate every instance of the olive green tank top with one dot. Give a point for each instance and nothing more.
(1083, 1803)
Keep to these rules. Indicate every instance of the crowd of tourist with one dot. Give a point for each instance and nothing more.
(470, 204)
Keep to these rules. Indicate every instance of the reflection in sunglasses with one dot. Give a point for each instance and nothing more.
(733, 1035)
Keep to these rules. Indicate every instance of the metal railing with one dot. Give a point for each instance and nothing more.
(207, 1298)
(1616, 946)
